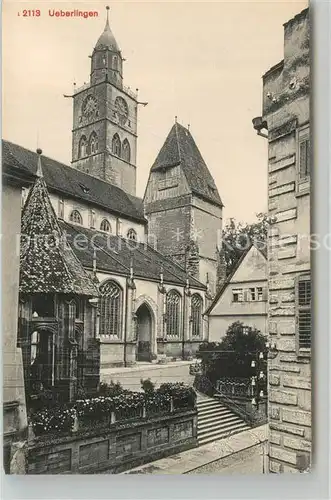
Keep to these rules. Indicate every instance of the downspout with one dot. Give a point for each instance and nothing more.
(130, 282)
(126, 320)
(184, 325)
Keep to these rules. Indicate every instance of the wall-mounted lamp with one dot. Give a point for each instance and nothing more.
(258, 125)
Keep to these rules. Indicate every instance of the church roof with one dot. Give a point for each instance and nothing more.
(180, 148)
(114, 255)
(72, 182)
(107, 40)
(47, 263)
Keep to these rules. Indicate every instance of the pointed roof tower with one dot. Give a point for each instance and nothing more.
(107, 39)
(47, 262)
(180, 148)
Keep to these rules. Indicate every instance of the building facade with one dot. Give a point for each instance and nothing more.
(184, 208)
(104, 134)
(243, 297)
(286, 118)
(152, 296)
(14, 402)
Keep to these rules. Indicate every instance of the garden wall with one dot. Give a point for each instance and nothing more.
(113, 448)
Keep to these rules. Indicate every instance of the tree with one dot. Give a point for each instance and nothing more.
(238, 237)
(243, 339)
(232, 357)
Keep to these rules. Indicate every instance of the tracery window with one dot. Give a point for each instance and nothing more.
(173, 301)
(116, 145)
(196, 315)
(82, 147)
(93, 143)
(76, 217)
(110, 309)
(126, 151)
(132, 235)
(105, 226)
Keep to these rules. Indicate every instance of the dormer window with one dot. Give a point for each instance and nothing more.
(84, 188)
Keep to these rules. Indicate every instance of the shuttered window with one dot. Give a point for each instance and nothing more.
(304, 152)
(304, 312)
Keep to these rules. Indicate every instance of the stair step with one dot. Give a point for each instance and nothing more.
(212, 402)
(215, 418)
(226, 428)
(217, 423)
(214, 411)
(208, 439)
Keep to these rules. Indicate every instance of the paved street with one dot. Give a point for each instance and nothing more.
(239, 453)
(248, 461)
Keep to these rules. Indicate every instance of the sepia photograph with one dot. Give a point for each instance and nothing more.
(156, 242)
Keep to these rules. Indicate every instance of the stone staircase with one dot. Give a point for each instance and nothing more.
(215, 421)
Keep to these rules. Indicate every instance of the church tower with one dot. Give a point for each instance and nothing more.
(104, 135)
(184, 208)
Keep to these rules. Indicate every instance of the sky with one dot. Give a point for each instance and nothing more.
(200, 61)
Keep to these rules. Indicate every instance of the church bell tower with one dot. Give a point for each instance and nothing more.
(104, 135)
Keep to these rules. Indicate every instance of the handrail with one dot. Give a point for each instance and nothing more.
(240, 410)
(243, 413)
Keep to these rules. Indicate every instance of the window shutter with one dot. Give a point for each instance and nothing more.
(246, 295)
(304, 158)
(304, 312)
(265, 294)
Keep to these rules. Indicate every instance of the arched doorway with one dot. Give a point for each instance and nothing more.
(42, 364)
(144, 333)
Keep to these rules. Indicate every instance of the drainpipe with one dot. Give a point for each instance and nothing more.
(126, 320)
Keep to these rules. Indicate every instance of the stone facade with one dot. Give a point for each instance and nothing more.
(14, 404)
(123, 351)
(181, 223)
(286, 116)
(116, 448)
(106, 109)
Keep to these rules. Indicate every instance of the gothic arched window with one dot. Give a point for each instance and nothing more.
(132, 235)
(76, 217)
(110, 309)
(116, 145)
(126, 151)
(173, 301)
(196, 315)
(82, 147)
(105, 226)
(93, 143)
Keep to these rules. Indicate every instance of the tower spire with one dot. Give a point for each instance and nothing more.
(39, 172)
(107, 9)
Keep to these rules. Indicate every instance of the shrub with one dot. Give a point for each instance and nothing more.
(183, 396)
(147, 385)
(109, 390)
(49, 421)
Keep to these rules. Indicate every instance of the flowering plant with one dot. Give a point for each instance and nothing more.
(55, 420)
(183, 396)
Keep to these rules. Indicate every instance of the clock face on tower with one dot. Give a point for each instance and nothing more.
(90, 107)
(122, 110)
